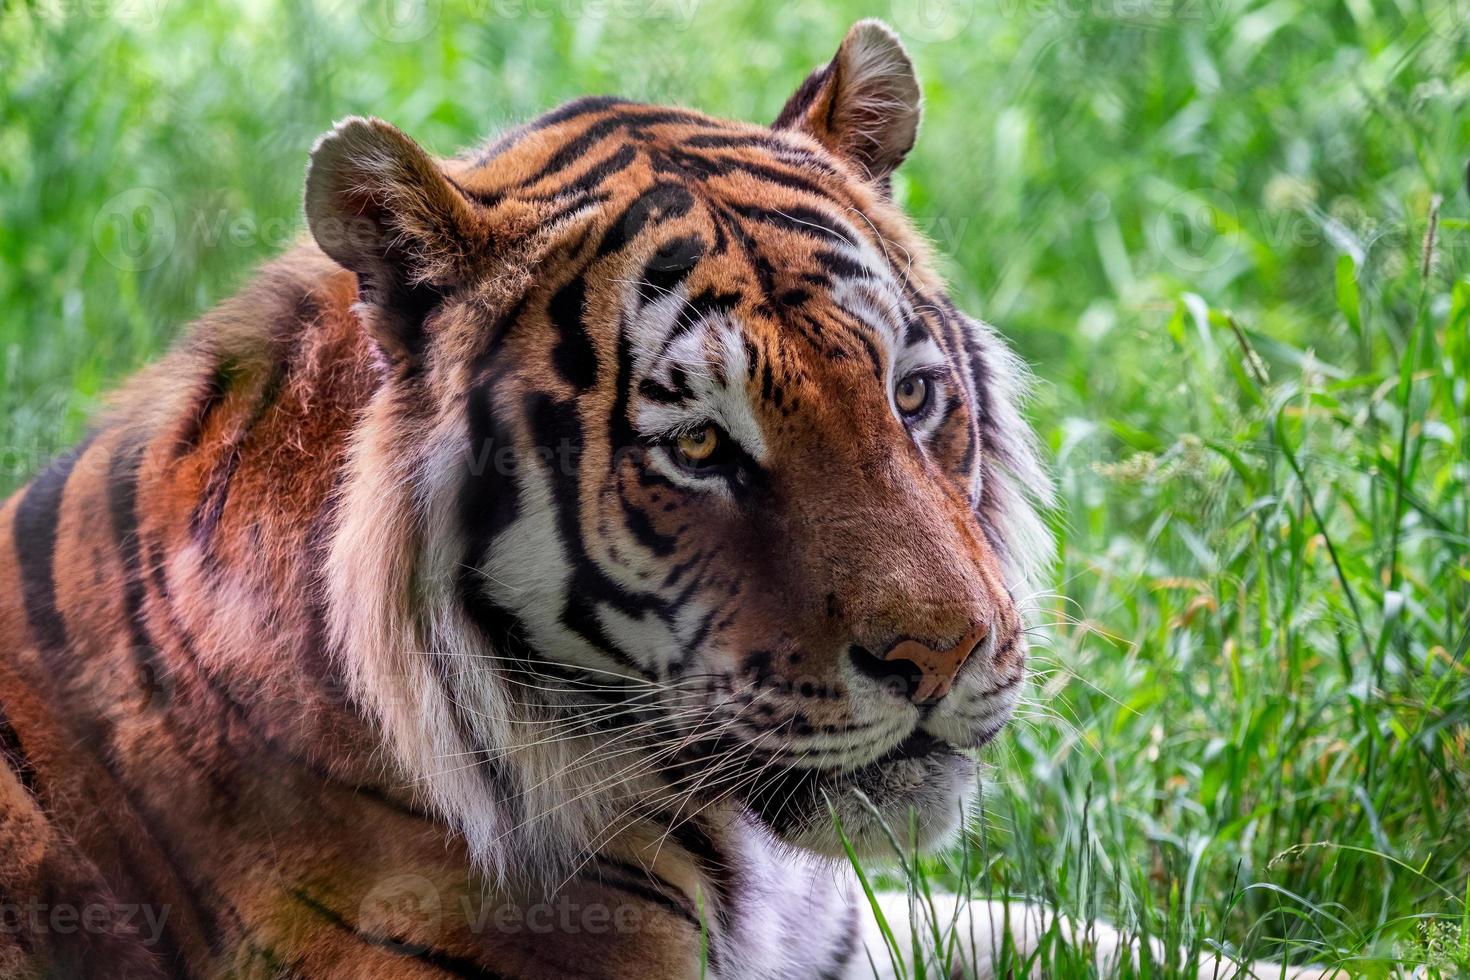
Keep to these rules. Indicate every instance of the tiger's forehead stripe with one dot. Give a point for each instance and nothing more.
(690, 185)
(587, 148)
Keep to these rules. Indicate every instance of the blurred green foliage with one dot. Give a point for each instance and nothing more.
(1202, 221)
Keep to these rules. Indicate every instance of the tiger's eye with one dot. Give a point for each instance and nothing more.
(912, 394)
(699, 446)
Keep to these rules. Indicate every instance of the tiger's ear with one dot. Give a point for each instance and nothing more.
(378, 204)
(864, 104)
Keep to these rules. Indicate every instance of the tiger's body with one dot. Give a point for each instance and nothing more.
(153, 775)
(516, 580)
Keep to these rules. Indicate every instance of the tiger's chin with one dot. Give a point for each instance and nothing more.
(916, 795)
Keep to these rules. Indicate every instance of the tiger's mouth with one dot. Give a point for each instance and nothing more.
(917, 746)
(914, 790)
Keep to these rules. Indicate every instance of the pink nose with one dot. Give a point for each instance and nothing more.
(935, 670)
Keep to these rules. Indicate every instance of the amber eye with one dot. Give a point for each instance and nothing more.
(912, 394)
(698, 448)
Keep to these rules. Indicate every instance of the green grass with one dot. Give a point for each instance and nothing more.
(1206, 229)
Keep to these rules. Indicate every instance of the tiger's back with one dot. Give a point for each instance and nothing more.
(160, 813)
(136, 557)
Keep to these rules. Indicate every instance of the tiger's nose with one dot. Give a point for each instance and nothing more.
(927, 673)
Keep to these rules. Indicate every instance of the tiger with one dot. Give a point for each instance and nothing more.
(570, 559)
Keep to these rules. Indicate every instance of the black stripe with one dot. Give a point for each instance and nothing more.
(791, 180)
(207, 513)
(36, 517)
(872, 352)
(956, 337)
(489, 502)
(575, 109)
(656, 391)
(577, 148)
(914, 331)
(122, 507)
(648, 886)
(573, 356)
(490, 499)
(797, 219)
(498, 334)
(663, 201)
(712, 863)
(35, 535)
(765, 272)
(454, 965)
(642, 527)
(571, 205)
(13, 754)
(738, 141)
(841, 265)
(774, 144)
(584, 106)
(670, 266)
(696, 641)
(980, 380)
(216, 387)
(695, 309)
(557, 433)
(679, 570)
(616, 162)
(503, 630)
(573, 151)
(796, 107)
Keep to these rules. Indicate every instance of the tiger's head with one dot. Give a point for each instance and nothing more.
(687, 486)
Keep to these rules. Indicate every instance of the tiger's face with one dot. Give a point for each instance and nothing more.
(718, 484)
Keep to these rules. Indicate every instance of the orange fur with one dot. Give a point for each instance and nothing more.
(245, 675)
